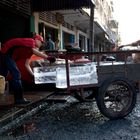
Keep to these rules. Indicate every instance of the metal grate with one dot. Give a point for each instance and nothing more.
(48, 17)
(67, 25)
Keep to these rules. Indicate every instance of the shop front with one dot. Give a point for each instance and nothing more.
(68, 39)
(46, 30)
(67, 5)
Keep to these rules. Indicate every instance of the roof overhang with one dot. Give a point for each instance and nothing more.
(78, 18)
(52, 5)
(98, 28)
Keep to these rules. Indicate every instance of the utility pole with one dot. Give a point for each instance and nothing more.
(91, 29)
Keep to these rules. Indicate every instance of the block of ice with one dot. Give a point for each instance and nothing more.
(44, 74)
(79, 75)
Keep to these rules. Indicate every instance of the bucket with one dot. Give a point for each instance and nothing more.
(2, 84)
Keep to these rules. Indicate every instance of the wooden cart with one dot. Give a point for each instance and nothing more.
(115, 87)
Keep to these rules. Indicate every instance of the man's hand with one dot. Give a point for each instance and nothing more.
(52, 59)
(121, 46)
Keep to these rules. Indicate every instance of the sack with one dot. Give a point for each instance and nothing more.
(2, 84)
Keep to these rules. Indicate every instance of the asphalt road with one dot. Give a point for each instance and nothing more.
(81, 121)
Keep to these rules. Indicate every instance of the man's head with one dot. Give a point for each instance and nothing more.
(39, 40)
(48, 36)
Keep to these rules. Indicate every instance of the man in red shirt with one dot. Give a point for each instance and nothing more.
(21, 49)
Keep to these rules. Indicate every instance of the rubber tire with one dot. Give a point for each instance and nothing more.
(100, 98)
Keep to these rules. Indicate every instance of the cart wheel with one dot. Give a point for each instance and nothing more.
(116, 98)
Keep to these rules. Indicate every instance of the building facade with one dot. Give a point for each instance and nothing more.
(20, 19)
(108, 34)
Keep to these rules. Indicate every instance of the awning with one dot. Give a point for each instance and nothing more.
(51, 5)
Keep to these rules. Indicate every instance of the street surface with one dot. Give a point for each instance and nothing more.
(80, 121)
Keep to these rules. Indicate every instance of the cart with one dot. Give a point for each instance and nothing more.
(112, 84)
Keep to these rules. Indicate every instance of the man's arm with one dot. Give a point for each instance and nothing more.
(38, 53)
(28, 67)
(52, 59)
(131, 44)
(136, 43)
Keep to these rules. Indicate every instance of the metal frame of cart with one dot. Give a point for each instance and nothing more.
(116, 89)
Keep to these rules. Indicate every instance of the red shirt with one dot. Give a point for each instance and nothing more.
(24, 42)
(20, 54)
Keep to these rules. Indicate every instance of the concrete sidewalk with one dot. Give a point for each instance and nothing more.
(10, 114)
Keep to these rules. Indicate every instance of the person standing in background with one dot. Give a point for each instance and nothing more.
(57, 43)
(50, 45)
